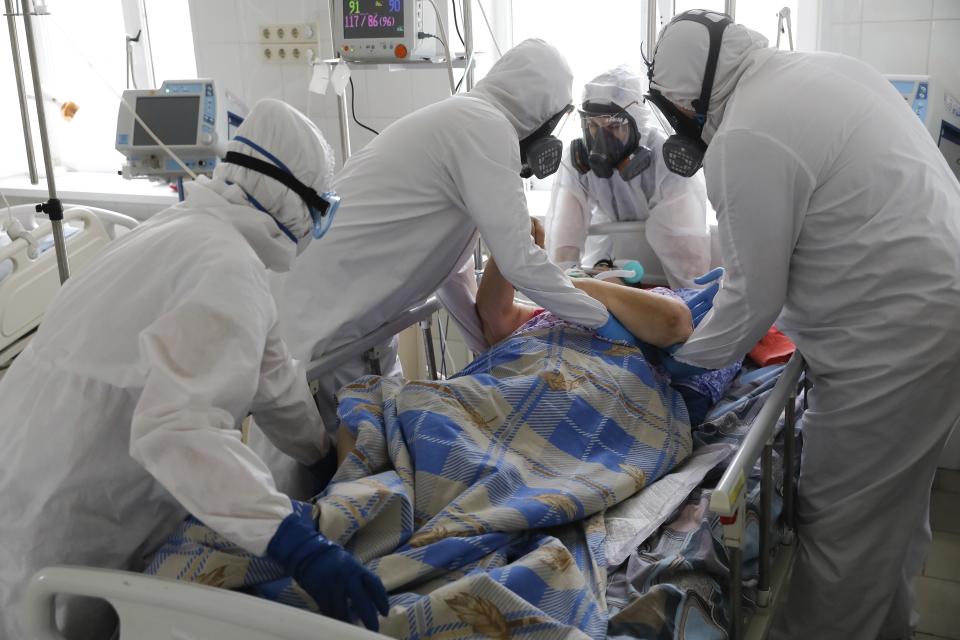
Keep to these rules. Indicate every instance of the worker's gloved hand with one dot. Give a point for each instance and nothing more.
(576, 272)
(323, 470)
(701, 303)
(613, 330)
(678, 370)
(341, 586)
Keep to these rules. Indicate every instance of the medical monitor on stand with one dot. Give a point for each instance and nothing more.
(188, 116)
(382, 30)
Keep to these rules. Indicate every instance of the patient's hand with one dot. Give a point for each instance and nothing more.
(537, 232)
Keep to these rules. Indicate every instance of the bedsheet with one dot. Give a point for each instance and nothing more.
(672, 587)
(479, 500)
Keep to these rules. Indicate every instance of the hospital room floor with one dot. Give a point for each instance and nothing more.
(938, 589)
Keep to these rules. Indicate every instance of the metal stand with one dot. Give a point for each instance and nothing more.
(784, 16)
(426, 327)
(52, 207)
(21, 91)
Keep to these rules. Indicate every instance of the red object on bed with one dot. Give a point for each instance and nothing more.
(773, 348)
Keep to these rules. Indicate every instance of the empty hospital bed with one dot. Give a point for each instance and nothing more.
(28, 285)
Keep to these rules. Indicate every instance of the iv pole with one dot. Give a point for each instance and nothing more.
(784, 15)
(52, 207)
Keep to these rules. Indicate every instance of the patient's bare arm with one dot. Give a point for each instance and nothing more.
(653, 318)
(500, 315)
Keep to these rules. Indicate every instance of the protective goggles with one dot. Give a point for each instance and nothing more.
(322, 206)
(323, 218)
(596, 116)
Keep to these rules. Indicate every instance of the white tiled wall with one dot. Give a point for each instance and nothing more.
(227, 43)
(897, 36)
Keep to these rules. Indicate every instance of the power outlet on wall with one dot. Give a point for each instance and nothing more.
(294, 42)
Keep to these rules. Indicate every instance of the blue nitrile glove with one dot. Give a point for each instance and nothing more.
(323, 470)
(678, 370)
(613, 330)
(342, 587)
(701, 303)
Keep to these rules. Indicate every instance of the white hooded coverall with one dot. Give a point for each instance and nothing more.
(413, 201)
(121, 415)
(840, 219)
(674, 208)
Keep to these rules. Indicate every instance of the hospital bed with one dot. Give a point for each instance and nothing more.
(152, 607)
(654, 273)
(28, 285)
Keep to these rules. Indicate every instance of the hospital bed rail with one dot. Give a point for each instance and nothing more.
(29, 284)
(728, 500)
(152, 608)
(369, 344)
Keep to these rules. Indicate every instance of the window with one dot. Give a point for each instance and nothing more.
(761, 16)
(83, 59)
(592, 40)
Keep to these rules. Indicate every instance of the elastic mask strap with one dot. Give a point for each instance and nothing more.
(715, 29)
(544, 130)
(256, 205)
(307, 194)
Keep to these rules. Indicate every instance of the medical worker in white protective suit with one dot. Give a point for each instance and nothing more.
(615, 173)
(414, 200)
(121, 415)
(840, 219)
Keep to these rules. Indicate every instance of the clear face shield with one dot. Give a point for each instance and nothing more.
(611, 140)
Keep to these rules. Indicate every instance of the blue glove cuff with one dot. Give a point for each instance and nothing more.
(613, 330)
(297, 540)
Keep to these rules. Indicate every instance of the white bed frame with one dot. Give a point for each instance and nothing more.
(31, 286)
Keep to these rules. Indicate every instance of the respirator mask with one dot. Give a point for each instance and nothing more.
(610, 141)
(541, 152)
(683, 152)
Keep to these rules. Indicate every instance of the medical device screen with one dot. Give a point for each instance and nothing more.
(173, 119)
(373, 18)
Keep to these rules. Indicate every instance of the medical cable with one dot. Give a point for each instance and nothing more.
(353, 109)
(489, 28)
(133, 112)
(446, 47)
(455, 24)
(131, 74)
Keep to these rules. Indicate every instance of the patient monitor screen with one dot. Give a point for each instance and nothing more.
(173, 119)
(373, 18)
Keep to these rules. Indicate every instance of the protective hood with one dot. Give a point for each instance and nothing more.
(622, 86)
(529, 84)
(680, 59)
(290, 137)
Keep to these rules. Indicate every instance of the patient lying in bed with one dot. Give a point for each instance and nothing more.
(479, 500)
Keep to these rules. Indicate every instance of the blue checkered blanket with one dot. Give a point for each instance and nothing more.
(479, 500)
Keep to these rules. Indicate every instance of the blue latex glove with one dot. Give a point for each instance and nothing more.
(342, 587)
(613, 330)
(701, 303)
(679, 370)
